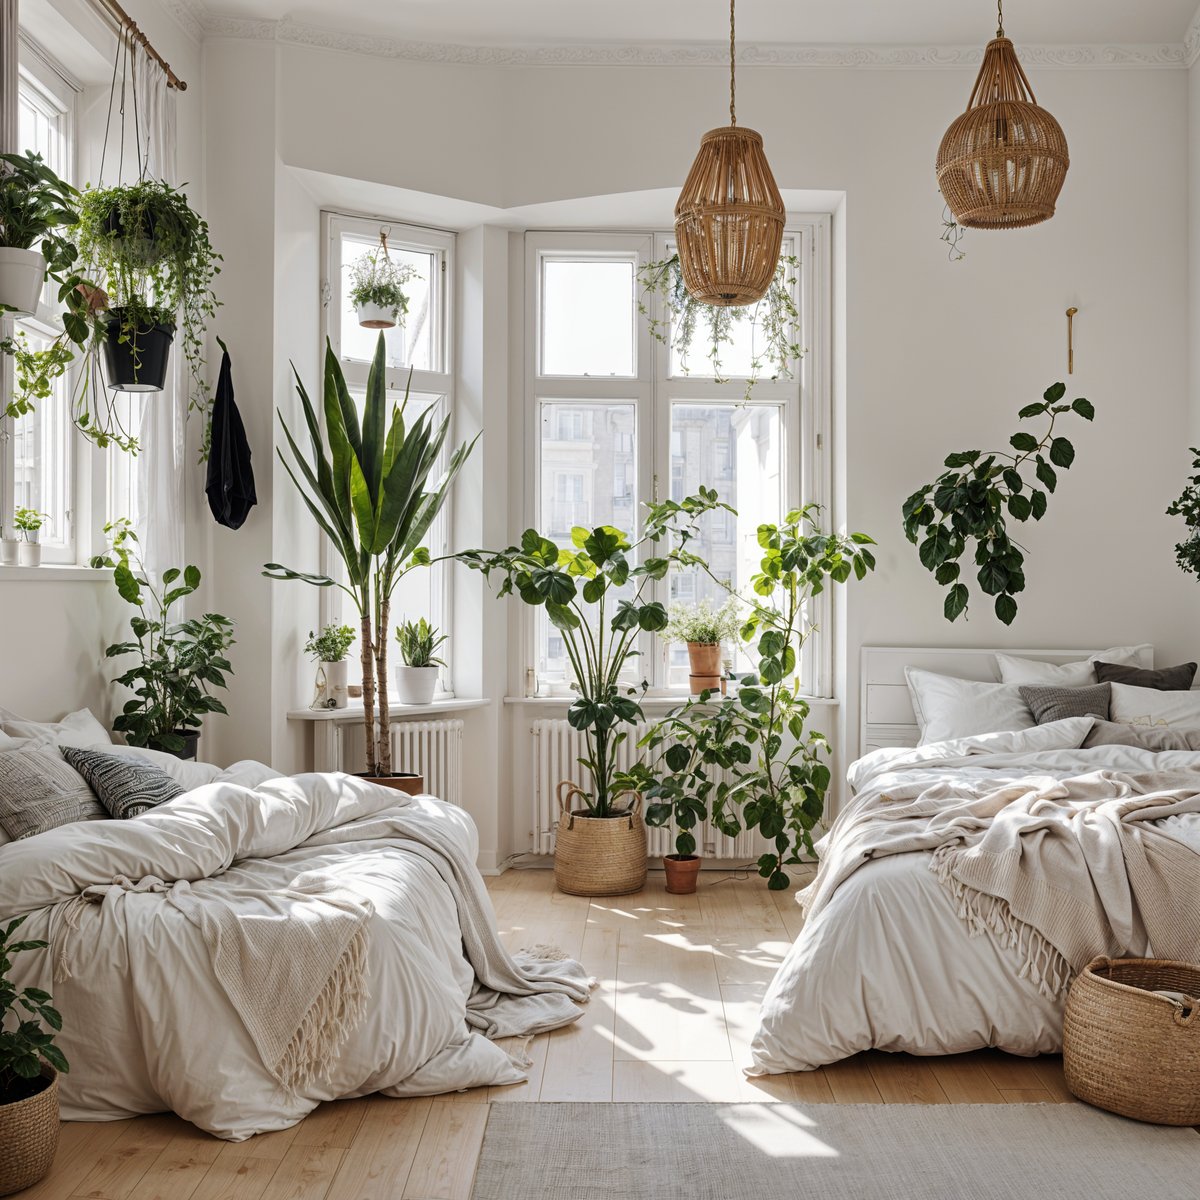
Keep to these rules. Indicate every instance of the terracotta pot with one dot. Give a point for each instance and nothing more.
(400, 781)
(29, 1136)
(704, 683)
(681, 870)
(705, 658)
(598, 856)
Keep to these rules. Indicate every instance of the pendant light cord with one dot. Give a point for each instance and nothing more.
(732, 66)
(999, 18)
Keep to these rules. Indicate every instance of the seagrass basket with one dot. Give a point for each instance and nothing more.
(598, 856)
(29, 1137)
(1130, 1051)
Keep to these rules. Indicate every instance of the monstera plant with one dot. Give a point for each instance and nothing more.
(969, 503)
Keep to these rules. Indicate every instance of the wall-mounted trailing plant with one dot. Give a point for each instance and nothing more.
(776, 317)
(150, 252)
(968, 505)
(1187, 552)
(377, 287)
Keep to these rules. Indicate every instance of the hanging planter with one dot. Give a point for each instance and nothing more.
(137, 350)
(377, 287)
(21, 275)
(729, 217)
(1001, 165)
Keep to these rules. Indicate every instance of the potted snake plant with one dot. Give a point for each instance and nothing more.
(30, 1064)
(417, 672)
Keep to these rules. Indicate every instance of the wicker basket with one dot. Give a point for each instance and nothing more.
(1132, 1052)
(29, 1137)
(598, 856)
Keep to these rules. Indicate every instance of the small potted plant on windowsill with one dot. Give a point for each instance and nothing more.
(329, 648)
(29, 550)
(30, 1064)
(417, 672)
(704, 627)
(377, 288)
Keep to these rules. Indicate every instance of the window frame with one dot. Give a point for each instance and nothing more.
(334, 606)
(805, 403)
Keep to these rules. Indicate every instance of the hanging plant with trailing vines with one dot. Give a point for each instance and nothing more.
(776, 318)
(967, 505)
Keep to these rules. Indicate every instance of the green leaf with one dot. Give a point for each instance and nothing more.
(1084, 408)
(1025, 443)
(993, 576)
(956, 601)
(935, 548)
(1020, 507)
(964, 458)
(1006, 608)
(1038, 504)
(1032, 410)
(1054, 393)
(1013, 480)
(1046, 473)
(1062, 453)
(947, 573)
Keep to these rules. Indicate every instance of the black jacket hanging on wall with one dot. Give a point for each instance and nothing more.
(230, 485)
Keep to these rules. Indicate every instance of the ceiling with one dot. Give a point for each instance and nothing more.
(902, 22)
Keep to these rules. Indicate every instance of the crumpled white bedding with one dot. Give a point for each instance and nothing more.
(146, 1025)
(888, 964)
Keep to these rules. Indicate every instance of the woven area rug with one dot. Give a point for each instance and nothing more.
(829, 1152)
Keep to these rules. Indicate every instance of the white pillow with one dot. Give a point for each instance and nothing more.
(1072, 674)
(1148, 706)
(75, 729)
(949, 708)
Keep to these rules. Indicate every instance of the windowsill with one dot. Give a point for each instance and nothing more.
(53, 573)
(353, 712)
(660, 701)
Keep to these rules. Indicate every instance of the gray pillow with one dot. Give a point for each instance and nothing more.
(1144, 737)
(39, 792)
(127, 787)
(1056, 703)
(1168, 679)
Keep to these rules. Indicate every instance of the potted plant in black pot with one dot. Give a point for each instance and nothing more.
(150, 252)
(178, 663)
(30, 1064)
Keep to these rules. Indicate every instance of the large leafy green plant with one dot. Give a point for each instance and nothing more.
(366, 485)
(178, 662)
(969, 504)
(595, 593)
(1187, 552)
(749, 762)
(25, 1014)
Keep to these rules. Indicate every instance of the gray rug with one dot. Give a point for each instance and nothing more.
(829, 1152)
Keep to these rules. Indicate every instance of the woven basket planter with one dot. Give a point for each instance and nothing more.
(598, 856)
(1130, 1051)
(29, 1137)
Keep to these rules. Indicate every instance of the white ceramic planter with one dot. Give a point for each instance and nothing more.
(415, 685)
(8, 551)
(376, 316)
(29, 554)
(335, 683)
(22, 273)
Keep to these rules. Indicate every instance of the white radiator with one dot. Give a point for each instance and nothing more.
(434, 748)
(556, 750)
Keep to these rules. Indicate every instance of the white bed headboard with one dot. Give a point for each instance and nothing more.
(887, 717)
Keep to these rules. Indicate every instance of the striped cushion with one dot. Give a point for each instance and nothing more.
(38, 792)
(1057, 703)
(127, 787)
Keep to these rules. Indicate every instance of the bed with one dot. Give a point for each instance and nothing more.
(259, 944)
(899, 954)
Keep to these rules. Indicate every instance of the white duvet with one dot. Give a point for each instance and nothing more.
(146, 1025)
(888, 964)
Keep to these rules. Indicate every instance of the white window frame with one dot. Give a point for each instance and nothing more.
(37, 71)
(334, 606)
(806, 403)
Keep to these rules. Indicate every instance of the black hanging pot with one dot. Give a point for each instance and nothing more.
(136, 359)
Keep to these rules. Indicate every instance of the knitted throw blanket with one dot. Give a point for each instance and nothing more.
(1057, 870)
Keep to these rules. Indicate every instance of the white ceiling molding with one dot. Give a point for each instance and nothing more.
(682, 54)
(189, 16)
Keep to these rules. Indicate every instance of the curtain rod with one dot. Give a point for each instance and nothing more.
(117, 13)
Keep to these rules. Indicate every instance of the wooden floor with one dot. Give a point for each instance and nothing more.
(680, 982)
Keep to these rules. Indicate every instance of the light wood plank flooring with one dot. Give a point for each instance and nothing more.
(680, 981)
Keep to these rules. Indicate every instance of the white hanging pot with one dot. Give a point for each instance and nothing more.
(22, 273)
(8, 551)
(415, 685)
(29, 554)
(376, 316)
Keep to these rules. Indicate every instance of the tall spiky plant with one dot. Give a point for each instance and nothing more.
(365, 485)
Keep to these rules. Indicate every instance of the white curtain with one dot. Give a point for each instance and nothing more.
(162, 463)
(8, 76)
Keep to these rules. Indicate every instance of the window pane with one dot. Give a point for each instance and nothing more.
(417, 341)
(747, 341)
(738, 450)
(588, 312)
(588, 477)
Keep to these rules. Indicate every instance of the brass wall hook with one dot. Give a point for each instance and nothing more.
(1071, 339)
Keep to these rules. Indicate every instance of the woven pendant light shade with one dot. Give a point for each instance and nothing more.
(729, 220)
(1002, 163)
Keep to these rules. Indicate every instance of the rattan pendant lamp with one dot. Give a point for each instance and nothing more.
(729, 217)
(1002, 163)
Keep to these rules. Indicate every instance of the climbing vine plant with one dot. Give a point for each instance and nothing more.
(968, 505)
